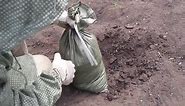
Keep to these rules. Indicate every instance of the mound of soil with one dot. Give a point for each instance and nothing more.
(131, 58)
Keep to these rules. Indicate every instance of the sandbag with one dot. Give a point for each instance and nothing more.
(83, 50)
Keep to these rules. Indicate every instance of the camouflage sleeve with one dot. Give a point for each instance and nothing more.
(45, 91)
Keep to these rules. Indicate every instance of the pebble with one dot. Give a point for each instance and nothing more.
(171, 59)
(128, 26)
(164, 37)
(159, 54)
(152, 46)
(180, 63)
(113, 59)
(114, 27)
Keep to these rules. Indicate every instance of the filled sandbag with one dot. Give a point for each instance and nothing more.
(83, 50)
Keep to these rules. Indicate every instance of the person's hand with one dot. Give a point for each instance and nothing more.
(64, 18)
(66, 69)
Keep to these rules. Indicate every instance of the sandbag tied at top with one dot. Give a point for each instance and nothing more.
(83, 50)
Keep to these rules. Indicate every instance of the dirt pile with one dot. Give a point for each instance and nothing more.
(132, 57)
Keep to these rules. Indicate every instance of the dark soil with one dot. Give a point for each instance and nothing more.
(143, 46)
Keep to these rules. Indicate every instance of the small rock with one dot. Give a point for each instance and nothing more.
(115, 27)
(180, 57)
(111, 72)
(111, 97)
(159, 54)
(101, 38)
(149, 74)
(180, 63)
(113, 59)
(156, 44)
(141, 100)
(171, 58)
(128, 26)
(130, 62)
(164, 37)
(139, 37)
(126, 37)
(131, 94)
(120, 80)
(143, 78)
(152, 46)
(115, 45)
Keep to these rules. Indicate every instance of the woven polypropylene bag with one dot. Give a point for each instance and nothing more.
(82, 49)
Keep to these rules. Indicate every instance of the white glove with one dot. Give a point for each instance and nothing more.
(65, 68)
(65, 18)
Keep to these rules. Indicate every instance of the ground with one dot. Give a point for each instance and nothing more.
(143, 47)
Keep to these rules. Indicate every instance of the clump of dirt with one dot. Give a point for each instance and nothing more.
(132, 57)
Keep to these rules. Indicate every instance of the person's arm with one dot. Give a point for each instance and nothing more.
(43, 92)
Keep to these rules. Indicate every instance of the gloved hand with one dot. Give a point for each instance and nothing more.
(65, 68)
(66, 19)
